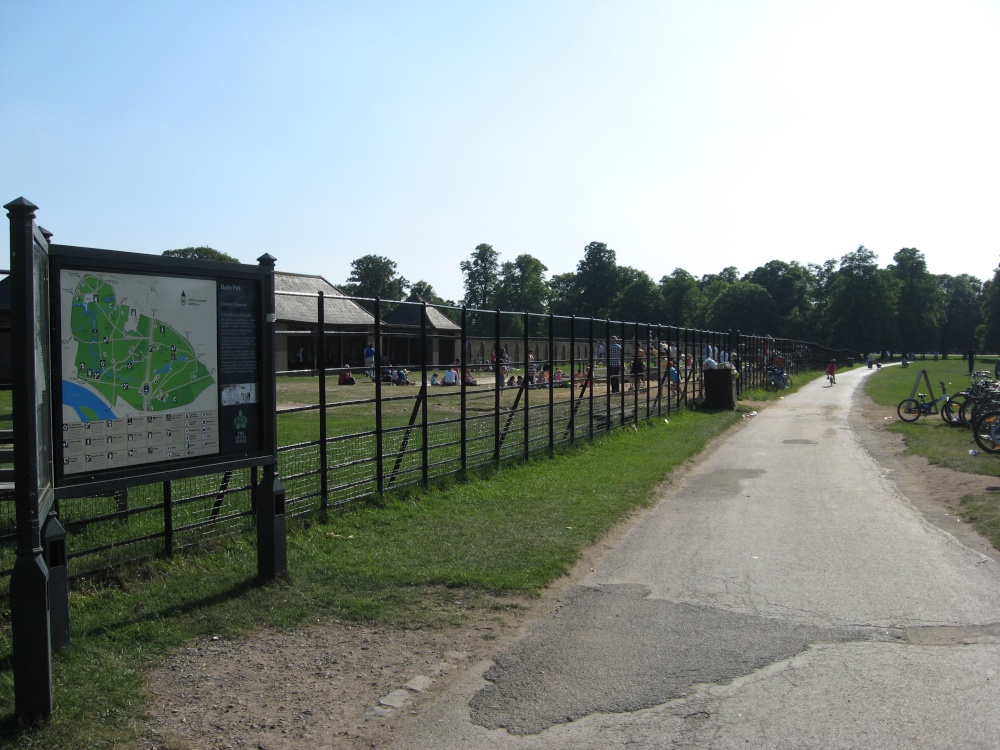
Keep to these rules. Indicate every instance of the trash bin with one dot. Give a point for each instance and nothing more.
(720, 388)
(850, 361)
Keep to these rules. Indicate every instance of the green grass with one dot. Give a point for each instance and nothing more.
(416, 562)
(939, 443)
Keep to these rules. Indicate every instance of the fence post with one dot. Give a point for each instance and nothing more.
(324, 487)
(498, 387)
(168, 518)
(552, 384)
(424, 448)
(572, 379)
(272, 555)
(379, 457)
(463, 425)
(527, 387)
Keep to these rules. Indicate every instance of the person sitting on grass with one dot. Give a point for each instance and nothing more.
(346, 378)
(469, 380)
(434, 379)
(400, 378)
(450, 377)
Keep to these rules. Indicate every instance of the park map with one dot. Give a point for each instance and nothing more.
(139, 370)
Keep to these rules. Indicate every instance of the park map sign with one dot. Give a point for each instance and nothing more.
(155, 371)
(138, 370)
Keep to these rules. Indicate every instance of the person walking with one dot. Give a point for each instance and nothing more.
(972, 362)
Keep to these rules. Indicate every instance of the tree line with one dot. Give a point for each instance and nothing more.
(849, 303)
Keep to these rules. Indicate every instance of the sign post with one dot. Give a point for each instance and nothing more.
(33, 485)
(128, 369)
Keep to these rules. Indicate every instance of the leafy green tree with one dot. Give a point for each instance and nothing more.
(746, 307)
(861, 308)
(522, 285)
(640, 300)
(989, 330)
(788, 284)
(424, 290)
(683, 299)
(563, 294)
(482, 277)
(202, 252)
(597, 282)
(963, 311)
(375, 276)
(920, 308)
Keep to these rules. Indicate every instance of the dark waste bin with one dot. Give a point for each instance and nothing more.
(720, 388)
(850, 361)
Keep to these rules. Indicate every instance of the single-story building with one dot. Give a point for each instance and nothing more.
(348, 325)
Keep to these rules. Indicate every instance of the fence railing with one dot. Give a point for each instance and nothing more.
(524, 384)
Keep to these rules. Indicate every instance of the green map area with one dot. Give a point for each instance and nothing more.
(130, 357)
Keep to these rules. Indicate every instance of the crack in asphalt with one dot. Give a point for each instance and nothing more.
(611, 649)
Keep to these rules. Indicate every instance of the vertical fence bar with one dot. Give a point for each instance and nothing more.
(552, 384)
(168, 519)
(496, 393)
(572, 378)
(463, 426)
(527, 387)
(379, 353)
(621, 377)
(324, 481)
(425, 455)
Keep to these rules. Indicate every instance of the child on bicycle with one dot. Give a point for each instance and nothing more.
(831, 372)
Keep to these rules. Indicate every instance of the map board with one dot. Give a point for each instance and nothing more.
(154, 370)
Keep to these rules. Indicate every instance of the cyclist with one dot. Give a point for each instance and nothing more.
(831, 372)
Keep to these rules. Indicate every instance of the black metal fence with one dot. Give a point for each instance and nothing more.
(459, 391)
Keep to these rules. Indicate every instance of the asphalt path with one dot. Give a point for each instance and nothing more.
(783, 594)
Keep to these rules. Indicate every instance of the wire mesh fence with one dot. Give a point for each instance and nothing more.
(442, 392)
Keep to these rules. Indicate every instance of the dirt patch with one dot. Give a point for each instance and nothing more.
(341, 686)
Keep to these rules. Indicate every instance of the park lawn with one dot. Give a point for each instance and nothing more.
(938, 442)
(406, 560)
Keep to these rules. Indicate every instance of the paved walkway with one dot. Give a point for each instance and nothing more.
(784, 594)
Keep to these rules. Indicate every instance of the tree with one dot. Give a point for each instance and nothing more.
(201, 252)
(746, 307)
(639, 296)
(989, 330)
(920, 309)
(963, 311)
(482, 277)
(683, 300)
(424, 290)
(861, 308)
(563, 294)
(375, 276)
(522, 285)
(787, 283)
(597, 282)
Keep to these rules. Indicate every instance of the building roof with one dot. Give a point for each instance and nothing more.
(408, 315)
(338, 309)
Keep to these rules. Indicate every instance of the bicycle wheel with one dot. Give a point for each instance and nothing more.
(951, 412)
(908, 410)
(987, 431)
(771, 384)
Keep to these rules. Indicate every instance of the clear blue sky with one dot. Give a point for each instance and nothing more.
(697, 134)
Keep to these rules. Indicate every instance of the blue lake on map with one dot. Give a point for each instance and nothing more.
(88, 406)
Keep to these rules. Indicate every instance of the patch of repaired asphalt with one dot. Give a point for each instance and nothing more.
(610, 649)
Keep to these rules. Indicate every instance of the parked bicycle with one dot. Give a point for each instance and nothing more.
(910, 410)
(777, 379)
